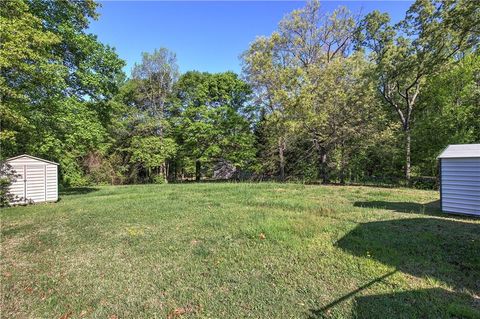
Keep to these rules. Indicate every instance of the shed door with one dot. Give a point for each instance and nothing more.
(35, 185)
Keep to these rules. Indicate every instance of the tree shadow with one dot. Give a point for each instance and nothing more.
(424, 303)
(320, 313)
(432, 208)
(441, 249)
(445, 249)
(78, 191)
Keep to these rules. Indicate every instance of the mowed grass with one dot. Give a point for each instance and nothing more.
(239, 251)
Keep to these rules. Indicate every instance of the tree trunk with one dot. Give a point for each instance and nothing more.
(342, 166)
(281, 150)
(407, 153)
(175, 168)
(167, 171)
(322, 162)
(162, 171)
(324, 167)
(198, 166)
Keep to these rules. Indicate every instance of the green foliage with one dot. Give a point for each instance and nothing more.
(29, 72)
(7, 177)
(212, 119)
(449, 112)
(314, 104)
(155, 78)
(55, 82)
(151, 151)
(432, 33)
(320, 101)
(323, 78)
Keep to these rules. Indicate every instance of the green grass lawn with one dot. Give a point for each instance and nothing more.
(239, 250)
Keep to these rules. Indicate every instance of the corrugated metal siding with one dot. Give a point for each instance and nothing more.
(38, 180)
(36, 183)
(18, 186)
(51, 183)
(461, 185)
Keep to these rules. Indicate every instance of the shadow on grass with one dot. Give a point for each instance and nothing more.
(447, 250)
(441, 249)
(424, 303)
(432, 208)
(320, 313)
(78, 191)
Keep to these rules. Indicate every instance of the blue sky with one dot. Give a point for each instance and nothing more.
(206, 36)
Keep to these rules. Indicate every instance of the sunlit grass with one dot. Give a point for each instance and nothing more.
(239, 250)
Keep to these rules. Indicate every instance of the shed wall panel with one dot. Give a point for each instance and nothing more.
(51, 183)
(460, 185)
(455, 209)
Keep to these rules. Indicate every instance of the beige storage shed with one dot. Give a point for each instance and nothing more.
(36, 181)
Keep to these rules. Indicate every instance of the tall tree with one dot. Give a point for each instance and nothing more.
(317, 45)
(26, 62)
(406, 54)
(448, 112)
(315, 84)
(156, 75)
(337, 111)
(267, 70)
(55, 81)
(213, 120)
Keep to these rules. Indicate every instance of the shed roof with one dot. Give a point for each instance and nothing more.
(461, 151)
(32, 157)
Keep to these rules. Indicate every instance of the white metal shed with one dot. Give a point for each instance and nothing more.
(460, 179)
(36, 181)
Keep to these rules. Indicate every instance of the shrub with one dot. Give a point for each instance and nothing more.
(159, 179)
(7, 177)
(424, 182)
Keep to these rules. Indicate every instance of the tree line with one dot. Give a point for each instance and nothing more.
(328, 97)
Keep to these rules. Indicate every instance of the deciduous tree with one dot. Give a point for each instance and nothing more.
(408, 53)
(56, 80)
(156, 75)
(213, 119)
